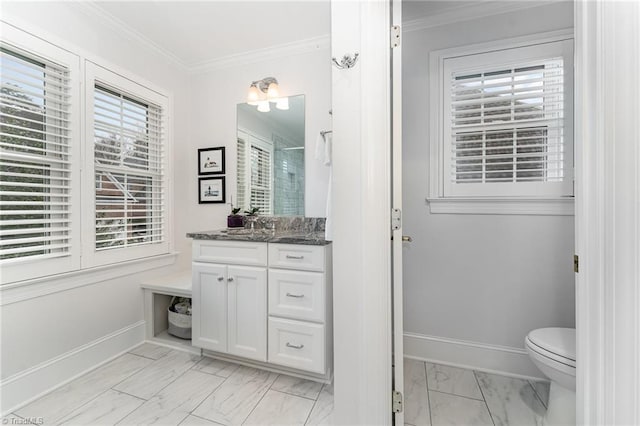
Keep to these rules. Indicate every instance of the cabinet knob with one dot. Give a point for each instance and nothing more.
(220, 278)
(230, 279)
(289, 345)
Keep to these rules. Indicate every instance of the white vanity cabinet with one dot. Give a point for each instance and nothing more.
(230, 297)
(300, 301)
(265, 302)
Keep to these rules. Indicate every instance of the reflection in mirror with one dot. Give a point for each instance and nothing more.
(271, 159)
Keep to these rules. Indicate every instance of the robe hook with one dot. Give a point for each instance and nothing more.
(346, 62)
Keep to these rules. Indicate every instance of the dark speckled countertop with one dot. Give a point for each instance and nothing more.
(315, 238)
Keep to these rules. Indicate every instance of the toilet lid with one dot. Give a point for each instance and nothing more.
(557, 340)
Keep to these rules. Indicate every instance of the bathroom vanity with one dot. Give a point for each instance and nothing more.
(264, 299)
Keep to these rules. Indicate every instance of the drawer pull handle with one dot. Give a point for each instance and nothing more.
(230, 279)
(289, 256)
(295, 295)
(289, 345)
(220, 278)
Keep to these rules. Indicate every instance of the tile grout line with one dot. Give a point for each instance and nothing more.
(207, 397)
(455, 394)
(160, 390)
(535, 392)
(314, 405)
(426, 379)
(260, 400)
(99, 394)
(483, 397)
(129, 413)
(299, 396)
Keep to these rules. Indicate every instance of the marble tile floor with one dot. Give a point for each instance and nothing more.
(153, 384)
(441, 395)
(157, 385)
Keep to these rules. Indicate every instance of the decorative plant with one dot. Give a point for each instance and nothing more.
(234, 211)
(253, 212)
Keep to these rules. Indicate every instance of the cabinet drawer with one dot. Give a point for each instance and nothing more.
(297, 295)
(293, 256)
(230, 252)
(297, 344)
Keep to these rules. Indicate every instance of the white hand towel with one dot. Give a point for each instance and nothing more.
(328, 138)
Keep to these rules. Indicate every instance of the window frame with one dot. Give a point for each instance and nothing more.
(23, 278)
(134, 88)
(470, 203)
(26, 268)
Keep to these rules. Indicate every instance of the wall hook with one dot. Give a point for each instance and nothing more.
(346, 62)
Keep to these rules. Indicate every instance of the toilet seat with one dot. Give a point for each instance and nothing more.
(556, 344)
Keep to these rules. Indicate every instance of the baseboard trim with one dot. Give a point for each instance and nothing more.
(505, 360)
(24, 387)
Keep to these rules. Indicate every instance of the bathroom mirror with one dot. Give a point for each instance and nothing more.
(270, 150)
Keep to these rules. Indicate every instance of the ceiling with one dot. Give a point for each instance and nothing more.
(197, 32)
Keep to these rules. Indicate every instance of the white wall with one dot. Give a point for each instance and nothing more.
(487, 279)
(48, 335)
(214, 97)
(37, 330)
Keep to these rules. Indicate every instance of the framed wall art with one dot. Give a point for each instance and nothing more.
(211, 190)
(211, 161)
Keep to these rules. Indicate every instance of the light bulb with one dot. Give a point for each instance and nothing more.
(254, 95)
(263, 106)
(273, 92)
(283, 104)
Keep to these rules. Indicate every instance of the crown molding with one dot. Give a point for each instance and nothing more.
(278, 51)
(259, 55)
(91, 9)
(467, 13)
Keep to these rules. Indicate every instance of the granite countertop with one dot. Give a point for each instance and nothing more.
(262, 235)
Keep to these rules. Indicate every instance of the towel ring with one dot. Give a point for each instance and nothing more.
(346, 62)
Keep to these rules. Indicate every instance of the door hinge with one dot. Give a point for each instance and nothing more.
(576, 263)
(395, 36)
(396, 219)
(396, 402)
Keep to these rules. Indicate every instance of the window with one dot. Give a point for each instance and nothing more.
(128, 168)
(255, 173)
(36, 171)
(504, 123)
(128, 181)
(119, 166)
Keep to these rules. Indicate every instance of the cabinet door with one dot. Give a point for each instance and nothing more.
(247, 317)
(209, 316)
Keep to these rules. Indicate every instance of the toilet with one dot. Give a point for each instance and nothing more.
(553, 351)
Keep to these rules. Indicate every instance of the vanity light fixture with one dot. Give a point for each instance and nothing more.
(262, 92)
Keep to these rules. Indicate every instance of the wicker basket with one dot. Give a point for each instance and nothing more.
(179, 324)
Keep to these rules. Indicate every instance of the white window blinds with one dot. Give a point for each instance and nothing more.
(261, 194)
(507, 122)
(128, 155)
(241, 201)
(35, 163)
(255, 173)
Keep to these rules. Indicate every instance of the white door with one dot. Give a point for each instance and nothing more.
(209, 318)
(396, 203)
(247, 312)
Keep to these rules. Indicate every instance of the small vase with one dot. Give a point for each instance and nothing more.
(235, 221)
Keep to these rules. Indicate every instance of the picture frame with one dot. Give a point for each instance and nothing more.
(211, 161)
(212, 190)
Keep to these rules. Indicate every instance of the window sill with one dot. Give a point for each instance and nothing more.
(502, 206)
(37, 287)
